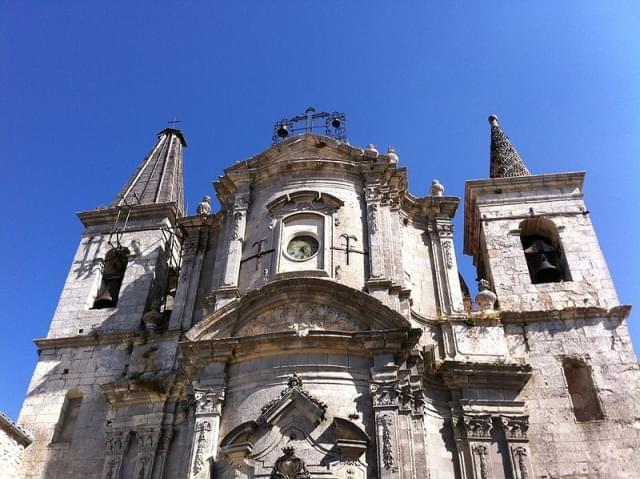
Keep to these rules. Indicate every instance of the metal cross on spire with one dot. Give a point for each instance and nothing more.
(174, 122)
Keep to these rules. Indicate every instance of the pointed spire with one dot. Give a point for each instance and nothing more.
(159, 178)
(505, 160)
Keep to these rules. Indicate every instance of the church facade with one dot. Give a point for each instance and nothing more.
(316, 326)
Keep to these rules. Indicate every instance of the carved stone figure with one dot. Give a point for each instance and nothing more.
(436, 188)
(204, 207)
(288, 466)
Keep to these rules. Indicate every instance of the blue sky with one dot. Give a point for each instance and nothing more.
(85, 86)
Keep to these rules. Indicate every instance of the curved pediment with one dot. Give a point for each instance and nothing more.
(298, 305)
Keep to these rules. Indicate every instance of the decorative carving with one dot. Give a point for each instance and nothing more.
(515, 427)
(448, 253)
(436, 188)
(198, 462)
(372, 193)
(373, 218)
(241, 203)
(306, 200)
(116, 442)
(300, 317)
(295, 384)
(482, 453)
(522, 461)
(385, 423)
(237, 223)
(111, 467)
(204, 207)
(476, 427)
(384, 394)
(288, 466)
(142, 471)
(209, 401)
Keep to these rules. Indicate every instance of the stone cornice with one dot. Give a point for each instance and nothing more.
(98, 339)
(468, 374)
(107, 216)
(620, 312)
(503, 191)
(202, 352)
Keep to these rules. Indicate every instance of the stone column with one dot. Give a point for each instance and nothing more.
(231, 249)
(204, 448)
(447, 279)
(192, 258)
(515, 432)
(147, 445)
(384, 396)
(473, 440)
(374, 227)
(116, 445)
(163, 450)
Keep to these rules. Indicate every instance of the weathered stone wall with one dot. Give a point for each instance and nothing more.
(80, 369)
(502, 216)
(561, 446)
(74, 314)
(13, 441)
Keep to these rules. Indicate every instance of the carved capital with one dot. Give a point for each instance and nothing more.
(208, 401)
(473, 427)
(515, 428)
(384, 394)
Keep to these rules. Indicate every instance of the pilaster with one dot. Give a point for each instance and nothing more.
(204, 447)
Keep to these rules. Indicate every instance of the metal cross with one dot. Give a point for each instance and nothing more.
(260, 252)
(174, 122)
(347, 247)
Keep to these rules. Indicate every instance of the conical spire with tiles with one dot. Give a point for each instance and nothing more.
(159, 179)
(505, 160)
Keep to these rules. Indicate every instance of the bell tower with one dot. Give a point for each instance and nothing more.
(531, 236)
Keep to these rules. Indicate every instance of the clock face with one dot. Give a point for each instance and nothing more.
(302, 247)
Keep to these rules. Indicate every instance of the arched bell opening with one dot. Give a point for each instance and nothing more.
(115, 264)
(543, 251)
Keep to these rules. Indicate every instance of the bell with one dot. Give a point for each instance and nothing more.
(543, 271)
(104, 300)
(336, 123)
(283, 131)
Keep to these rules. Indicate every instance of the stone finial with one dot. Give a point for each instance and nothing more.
(204, 207)
(370, 151)
(152, 319)
(505, 162)
(436, 188)
(393, 156)
(485, 299)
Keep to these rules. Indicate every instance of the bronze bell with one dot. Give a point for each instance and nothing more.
(541, 268)
(336, 123)
(283, 131)
(104, 300)
(543, 271)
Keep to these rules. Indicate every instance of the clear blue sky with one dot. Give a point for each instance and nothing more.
(85, 86)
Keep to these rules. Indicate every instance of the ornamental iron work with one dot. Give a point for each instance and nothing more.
(327, 124)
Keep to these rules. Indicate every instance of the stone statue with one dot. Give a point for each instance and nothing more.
(204, 207)
(436, 188)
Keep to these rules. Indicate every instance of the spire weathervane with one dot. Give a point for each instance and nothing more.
(324, 123)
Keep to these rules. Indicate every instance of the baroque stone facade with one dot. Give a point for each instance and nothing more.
(316, 326)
